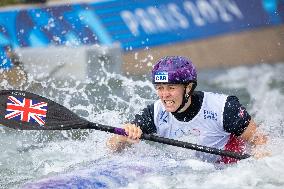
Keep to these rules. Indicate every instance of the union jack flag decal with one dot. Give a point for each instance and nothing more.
(28, 110)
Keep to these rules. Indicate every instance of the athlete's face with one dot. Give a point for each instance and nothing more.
(171, 95)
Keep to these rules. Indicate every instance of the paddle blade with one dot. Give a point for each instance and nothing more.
(27, 111)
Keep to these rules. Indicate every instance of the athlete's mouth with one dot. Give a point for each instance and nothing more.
(169, 102)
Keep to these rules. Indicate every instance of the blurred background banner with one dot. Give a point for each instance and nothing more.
(133, 24)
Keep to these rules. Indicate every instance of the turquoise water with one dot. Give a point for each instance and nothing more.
(28, 156)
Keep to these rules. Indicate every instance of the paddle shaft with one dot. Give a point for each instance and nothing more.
(172, 142)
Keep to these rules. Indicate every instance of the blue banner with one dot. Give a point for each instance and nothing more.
(134, 23)
(137, 24)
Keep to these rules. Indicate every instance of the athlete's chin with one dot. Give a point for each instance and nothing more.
(170, 109)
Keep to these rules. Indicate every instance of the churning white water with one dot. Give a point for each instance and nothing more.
(30, 156)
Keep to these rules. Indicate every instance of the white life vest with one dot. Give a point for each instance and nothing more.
(206, 128)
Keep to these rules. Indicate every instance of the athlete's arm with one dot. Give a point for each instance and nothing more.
(255, 137)
(238, 122)
(143, 123)
(235, 117)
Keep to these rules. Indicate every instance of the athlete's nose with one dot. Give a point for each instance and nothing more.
(165, 93)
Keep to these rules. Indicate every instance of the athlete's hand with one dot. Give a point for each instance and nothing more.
(119, 142)
(260, 152)
(133, 133)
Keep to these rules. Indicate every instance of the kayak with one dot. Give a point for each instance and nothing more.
(110, 175)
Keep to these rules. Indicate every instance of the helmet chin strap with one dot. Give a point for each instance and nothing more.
(184, 99)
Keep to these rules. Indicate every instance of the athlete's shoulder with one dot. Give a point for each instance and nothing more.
(232, 98)
(215, 94)
(147, 110)
(198, 93)
(215, 97)
(145, 119)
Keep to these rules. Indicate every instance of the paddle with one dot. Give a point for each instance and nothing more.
(27, 111)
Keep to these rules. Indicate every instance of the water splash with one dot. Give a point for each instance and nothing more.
(112, 99)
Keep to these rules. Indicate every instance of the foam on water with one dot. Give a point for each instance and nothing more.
(113, 99)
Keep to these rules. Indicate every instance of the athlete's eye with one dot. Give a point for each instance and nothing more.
(157, 87)
(172, 87)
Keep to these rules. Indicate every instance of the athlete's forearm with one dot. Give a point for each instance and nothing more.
(257, 139)
(253, 135)
(117, 143)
